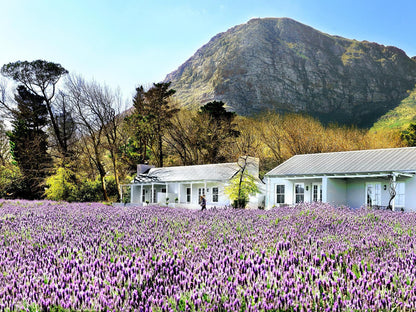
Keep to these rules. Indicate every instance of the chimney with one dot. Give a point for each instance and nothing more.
(251, 164)
(142, 168)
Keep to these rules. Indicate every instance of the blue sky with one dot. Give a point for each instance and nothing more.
(125, 43)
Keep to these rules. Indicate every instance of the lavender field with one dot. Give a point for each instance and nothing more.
(92, 257)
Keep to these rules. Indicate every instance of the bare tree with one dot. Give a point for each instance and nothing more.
(5, 155)
(84, 99)
(97, 111)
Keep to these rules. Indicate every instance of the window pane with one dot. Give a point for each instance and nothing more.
(280, 199)
(280, 194)
(400, 193)
(215, 194)
(299, 193)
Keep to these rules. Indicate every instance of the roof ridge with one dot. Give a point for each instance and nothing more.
(363, 150)
(188, 166)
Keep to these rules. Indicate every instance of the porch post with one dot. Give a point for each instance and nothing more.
(394, 199)
(191, 192)
(179, 193)
(324, 189)
(152, 197)
(167, 192)
(141, 194)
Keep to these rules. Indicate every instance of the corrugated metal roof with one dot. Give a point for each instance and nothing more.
(213, 172)
(364, 161)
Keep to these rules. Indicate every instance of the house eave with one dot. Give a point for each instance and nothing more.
(349, 175)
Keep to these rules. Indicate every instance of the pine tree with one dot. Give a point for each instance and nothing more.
(28, 140)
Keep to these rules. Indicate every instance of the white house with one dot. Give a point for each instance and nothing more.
(353, 178)
(181, 186)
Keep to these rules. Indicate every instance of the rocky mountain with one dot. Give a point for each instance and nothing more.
(282, 65)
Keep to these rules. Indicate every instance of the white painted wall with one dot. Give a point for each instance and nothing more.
(410, 193)
(271, 183)
(135, 194)
(355, 193)
(336, 191)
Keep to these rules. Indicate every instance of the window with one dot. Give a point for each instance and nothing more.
(299, 193)
(154, 199)
(399, 199)
(188, 194)
(317, 192)
(280, 194)
(143, 195)
(215, 194)
(201, 191)
(373, 194)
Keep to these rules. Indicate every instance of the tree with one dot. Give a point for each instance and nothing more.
(5, 155)
(216, 129)
(243, 184)
(150, 119)
(66, 125)
(28, 141)
(40, 77)
(92, 108)
(182, 138)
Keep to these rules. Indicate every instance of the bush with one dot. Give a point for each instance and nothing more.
(66, 185)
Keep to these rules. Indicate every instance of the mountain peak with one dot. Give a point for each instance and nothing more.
(282, 65)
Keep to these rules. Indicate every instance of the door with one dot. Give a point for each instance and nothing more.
(373, 194)
(317, 192)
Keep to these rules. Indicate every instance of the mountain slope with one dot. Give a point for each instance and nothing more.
(282, 65)
(401, 116)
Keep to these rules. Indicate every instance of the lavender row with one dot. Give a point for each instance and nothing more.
(309, 257)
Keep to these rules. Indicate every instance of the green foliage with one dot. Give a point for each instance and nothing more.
(66, 185)
(61, 185)
(10, 181)
(241, 186)
(149, 121)
(39, 71)
(409, 135)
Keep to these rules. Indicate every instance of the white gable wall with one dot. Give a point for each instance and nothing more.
(336, 191)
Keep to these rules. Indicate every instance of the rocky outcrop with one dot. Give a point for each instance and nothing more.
(281, 65)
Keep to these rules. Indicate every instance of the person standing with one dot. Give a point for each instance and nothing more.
(203, 202)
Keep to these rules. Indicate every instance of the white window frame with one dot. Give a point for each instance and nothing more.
(376, 197)
(302, 185)
(188, 195)
(201, 191)
(215, 193)
(318, 193)
(280, 193)
(399, 200)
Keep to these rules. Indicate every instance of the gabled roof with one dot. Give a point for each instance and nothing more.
(364, 161)
(213, 172)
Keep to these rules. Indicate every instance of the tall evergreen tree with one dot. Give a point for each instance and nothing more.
(217, 128)
(151, 118)
(28, 141)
